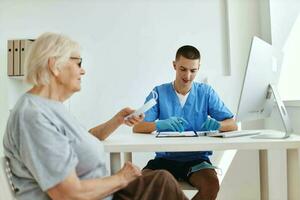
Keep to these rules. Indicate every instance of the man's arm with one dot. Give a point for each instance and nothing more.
(228, 125)
(144, 127)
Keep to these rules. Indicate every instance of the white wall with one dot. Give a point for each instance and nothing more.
(128, 47)
(138, 46)
(284, 16)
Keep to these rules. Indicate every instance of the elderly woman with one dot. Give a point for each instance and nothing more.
(51, 155)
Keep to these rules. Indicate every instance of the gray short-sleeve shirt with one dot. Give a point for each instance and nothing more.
(45, 143)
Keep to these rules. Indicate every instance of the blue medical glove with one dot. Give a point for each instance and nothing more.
(171, 124)
(210, 125)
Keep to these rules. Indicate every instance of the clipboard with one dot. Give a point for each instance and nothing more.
(176, 134)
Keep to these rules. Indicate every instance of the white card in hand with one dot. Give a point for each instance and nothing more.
(142, 109)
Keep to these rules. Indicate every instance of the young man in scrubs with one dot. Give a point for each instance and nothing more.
(185, 105)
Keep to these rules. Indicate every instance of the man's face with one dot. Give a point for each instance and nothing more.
(186, 71)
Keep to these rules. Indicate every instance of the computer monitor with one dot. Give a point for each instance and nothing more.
(259, 92)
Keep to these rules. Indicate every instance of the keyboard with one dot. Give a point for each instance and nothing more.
(230, 134)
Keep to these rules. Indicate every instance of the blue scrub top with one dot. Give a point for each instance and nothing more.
(202, 102)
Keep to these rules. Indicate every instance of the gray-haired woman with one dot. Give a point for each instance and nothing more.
(51, 156)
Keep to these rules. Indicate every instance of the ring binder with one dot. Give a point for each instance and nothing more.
(16, 53)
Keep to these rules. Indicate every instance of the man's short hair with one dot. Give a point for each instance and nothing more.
(188, 52)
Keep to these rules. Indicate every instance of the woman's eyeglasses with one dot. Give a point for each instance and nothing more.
(77, 58)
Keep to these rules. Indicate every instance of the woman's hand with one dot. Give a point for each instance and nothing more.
(131, 121)
(128, 173)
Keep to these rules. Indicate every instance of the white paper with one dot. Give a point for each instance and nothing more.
(176, 134)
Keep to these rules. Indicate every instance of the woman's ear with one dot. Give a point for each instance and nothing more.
(52, 68)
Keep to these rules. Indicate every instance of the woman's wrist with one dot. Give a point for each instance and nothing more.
(121, 179)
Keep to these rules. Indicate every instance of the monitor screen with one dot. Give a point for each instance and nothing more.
(263, 69)
(259, 93)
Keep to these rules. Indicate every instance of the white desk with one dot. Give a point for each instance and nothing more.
(128, 142)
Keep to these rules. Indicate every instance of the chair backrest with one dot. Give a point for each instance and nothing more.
(6, 186)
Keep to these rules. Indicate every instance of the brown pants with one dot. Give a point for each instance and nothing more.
(152, 185)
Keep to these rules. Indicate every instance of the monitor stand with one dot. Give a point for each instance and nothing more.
(283, 114)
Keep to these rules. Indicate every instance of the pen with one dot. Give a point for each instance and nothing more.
(192, 128)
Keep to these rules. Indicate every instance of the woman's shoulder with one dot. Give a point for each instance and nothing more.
(31, 107)
(26, 109)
